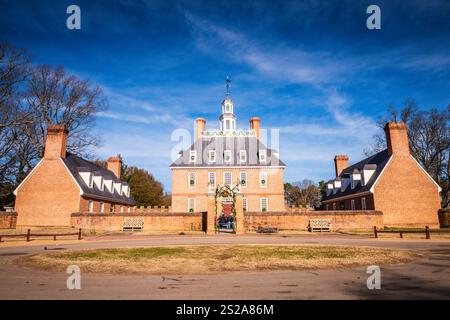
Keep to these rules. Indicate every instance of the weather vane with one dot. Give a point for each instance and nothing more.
(228, 81)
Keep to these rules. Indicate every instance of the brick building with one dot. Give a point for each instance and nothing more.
(228, 156)
(391, 181)
(63, 183)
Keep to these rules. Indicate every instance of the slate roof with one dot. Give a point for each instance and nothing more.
(76, 165)
(379, 160)
(251, 144)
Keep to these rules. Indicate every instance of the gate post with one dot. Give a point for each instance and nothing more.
(210, 223)
(239, 205)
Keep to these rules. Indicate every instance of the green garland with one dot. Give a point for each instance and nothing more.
(225, 191)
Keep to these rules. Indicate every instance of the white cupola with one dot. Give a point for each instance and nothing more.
(227, 118)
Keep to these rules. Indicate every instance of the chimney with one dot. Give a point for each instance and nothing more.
(56, 142)
(340, 163)
(199, 127)
(397, 138)
(114, 164)
(255, 124)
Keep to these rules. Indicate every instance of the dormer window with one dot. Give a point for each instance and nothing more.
(243, 156)
(192, 156)
(262, 155)
(227, 156)
(212, 156)
(87, 178)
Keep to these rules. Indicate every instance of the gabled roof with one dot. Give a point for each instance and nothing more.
(251, 144)
(76, 165)
(378, 161)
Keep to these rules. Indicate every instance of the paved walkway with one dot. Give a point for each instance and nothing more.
(428, 278)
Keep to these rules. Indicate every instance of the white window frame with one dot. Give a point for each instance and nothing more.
(241, 178)
(334, 206)
(121, 209)
(261, 174)
(263, 156)
(102, 207)
(245, 204)
(189, 180)
(261, 204)
(352, 204)
(192, 153)
(231, 178)
(363, 204)
(243, 153)
(212, 152)
(215, 178)
(188, 205)
(91, 206)
(129, 209)
(225, 156)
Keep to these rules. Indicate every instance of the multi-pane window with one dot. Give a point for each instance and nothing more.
(191, 204)
(102, 207)
(263, 179)
(227, 178)
(262, 155)
(121, 209)
(212, 156)
(91, 206)
(363, 204)
(227, 156)
(243, 179)
(264, 204)
(192, 156)
(243, 156)
(212, 178)
(334, 206)
(245, 204)
(112, 208)
(192, 179)
(352, 204)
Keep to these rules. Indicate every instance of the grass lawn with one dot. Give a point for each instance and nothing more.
(215, 259)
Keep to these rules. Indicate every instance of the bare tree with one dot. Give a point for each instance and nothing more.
(429, 140)
(31, 99)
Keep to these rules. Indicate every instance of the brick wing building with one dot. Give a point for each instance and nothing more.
(391, 181)
(63, 183)
(228, 156)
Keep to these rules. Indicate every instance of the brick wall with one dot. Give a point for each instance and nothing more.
(300, 220)
(48, 196)
(8, 220)
(406, 195)
(155, 221)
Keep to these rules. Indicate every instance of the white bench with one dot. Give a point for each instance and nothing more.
(133, 224)
(320, 225)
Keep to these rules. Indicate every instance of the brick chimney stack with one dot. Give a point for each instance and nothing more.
(56, 142)
(199, 127)
(397, 138)
(340, 163)
(114, 164)
(255, 124)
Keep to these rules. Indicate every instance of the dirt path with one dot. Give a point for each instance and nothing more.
(428, 278)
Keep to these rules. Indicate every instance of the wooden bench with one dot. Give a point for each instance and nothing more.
(267, 230)
(133, 224)
(320, 225)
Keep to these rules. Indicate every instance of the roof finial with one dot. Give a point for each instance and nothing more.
(228, 85)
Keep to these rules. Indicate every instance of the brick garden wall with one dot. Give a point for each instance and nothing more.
(299, 220)
(153, 221)
(8, 220)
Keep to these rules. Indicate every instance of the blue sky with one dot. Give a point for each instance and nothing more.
(309, 68)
